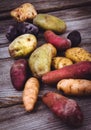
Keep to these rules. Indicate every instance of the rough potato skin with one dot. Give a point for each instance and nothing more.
(18, 74)
(67, 109)
(24, 12)
(78, 54)
(78, 87)
(40, 60)
(50, 22)
(60, 62)
(30, 93)
(59, 42)
(80, 70)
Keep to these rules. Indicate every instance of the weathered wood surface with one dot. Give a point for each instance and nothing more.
(77, 15)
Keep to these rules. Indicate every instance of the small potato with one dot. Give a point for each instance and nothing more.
(24, 12)
(18, 74)
(78, 54)
(59, 62)
(22, 46)
(76, 87)
(40, 59)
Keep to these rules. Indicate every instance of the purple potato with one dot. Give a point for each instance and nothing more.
(20, 28)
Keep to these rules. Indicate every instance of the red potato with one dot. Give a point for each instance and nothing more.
(59, 42)
(18, 74)
(81, 70)
(67, 109)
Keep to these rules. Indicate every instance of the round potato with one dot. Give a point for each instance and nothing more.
(22, 46)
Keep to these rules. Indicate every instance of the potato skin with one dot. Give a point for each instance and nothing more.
(22, 46)
(24, 12)
(18, 74)
(66, 109)
(78, 54)
(80, 70)
(60, 43)
(60, 62)
(50, 22)
(30, 93)
(77, 87)
(40, 60)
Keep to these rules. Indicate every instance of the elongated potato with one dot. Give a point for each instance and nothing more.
(30, 93)
(60, 62)
(78, 54)
(66, 109)
(76, 87)
(78, 70)
(60, 43)
(50, 22)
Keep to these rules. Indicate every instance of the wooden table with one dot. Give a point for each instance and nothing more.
(77, 15)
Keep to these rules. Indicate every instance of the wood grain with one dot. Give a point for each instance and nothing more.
(77, 15)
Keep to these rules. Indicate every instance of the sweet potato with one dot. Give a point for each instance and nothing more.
(59, 42)
(30, 93)
(78, 70)
(66, 109)
(76, 87)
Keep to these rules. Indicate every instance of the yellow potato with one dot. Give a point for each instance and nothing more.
(30, 93)
(22, 46)
(76, 87)
(78, 54)
(59, 62)
(24, 12)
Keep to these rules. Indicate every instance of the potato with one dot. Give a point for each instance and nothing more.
(24, 12)
(50, 22)
(76, 87)
(22, 46)
(18, 74)
(80, 70)
(60, 62)
(60, 43)
(66, 109)
(30, 93)
(40, 59)
(78, 54)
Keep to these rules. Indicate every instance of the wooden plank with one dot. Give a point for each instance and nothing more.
(12, 114)
(44, 5)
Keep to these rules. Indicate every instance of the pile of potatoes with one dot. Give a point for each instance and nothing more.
(70, 72)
